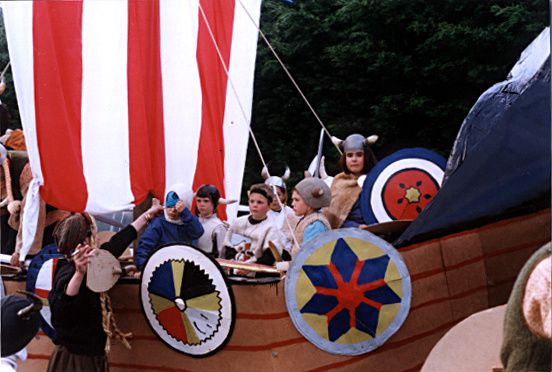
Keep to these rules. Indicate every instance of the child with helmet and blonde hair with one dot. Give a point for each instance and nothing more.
(308, 197)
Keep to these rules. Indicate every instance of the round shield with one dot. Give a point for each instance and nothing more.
(103, 271)
(187, 301)
(401, 185)
(40, 278)
(347, 291)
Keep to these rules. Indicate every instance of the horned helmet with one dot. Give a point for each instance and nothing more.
(354, 142)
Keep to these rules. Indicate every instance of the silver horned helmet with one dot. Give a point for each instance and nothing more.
(354, 142)
(275, 180)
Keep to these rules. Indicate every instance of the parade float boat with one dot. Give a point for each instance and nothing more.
(350, 300)
(452, 277)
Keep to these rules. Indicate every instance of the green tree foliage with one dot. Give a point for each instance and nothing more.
(407, 70)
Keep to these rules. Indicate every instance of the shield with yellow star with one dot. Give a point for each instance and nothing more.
(187, 301)
(400, 185)
(347, 291)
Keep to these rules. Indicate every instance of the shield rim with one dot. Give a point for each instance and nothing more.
(366, 209)
(50, 252)
(230, 297)
(305, 329)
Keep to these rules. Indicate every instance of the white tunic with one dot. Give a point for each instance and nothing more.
(214, 233)
(260, 234)
(278, 218)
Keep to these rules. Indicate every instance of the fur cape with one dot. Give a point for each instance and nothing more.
(301, 226)
(345, 192)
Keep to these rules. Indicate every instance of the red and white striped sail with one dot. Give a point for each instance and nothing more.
(122, 98)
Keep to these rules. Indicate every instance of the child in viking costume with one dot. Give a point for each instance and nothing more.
(249, 236)
(277, 214)
(78, 316)
(309, 196)
(176, 225)
(357, 160)
(212, 241)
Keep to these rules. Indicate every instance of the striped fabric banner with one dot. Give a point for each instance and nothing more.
(122, 98)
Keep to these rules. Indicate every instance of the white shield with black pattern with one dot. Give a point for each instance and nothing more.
(186, 300)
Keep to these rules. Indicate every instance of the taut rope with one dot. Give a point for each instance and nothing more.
(289, 75)
(243, 111)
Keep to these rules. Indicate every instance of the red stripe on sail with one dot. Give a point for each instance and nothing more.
(145, 101)
(57, 58)
(210, 161)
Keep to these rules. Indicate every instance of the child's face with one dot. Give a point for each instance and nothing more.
(258, 206)
(172, 213)
(204, 206)
(275, 206)
(354, 161)
(298, 203)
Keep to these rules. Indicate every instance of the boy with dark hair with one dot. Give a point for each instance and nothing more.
(207, 199)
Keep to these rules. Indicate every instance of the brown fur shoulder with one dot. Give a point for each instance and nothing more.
(345, 192)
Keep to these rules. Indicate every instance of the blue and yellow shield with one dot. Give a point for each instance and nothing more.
(348, 291)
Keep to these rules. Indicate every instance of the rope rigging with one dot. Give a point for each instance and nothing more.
(245, 117)
(289, 75)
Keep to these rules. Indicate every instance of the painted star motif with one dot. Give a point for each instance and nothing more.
(349, 292)
(412, 194)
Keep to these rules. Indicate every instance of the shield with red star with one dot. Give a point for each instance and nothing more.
(347, 291)
(401, 185)
(187, 301)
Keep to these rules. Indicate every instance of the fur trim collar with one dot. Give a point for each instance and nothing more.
(345, 192)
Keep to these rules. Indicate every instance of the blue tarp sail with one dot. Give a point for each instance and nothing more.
(500, 165)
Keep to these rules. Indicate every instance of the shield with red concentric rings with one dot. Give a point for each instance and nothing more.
(186, 300)
(40, 280)
(401, 185)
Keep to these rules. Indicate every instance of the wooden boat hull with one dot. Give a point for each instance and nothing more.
(452, 278)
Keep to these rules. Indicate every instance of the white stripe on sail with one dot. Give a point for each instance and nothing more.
(18, 19)
(181, 89)
(242, 71)
(105, 133)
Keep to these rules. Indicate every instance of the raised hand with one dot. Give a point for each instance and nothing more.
(82, 256)
(154, 210)
(180, 206)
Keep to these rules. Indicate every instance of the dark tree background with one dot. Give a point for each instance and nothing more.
(407, 70)
(8, 98)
